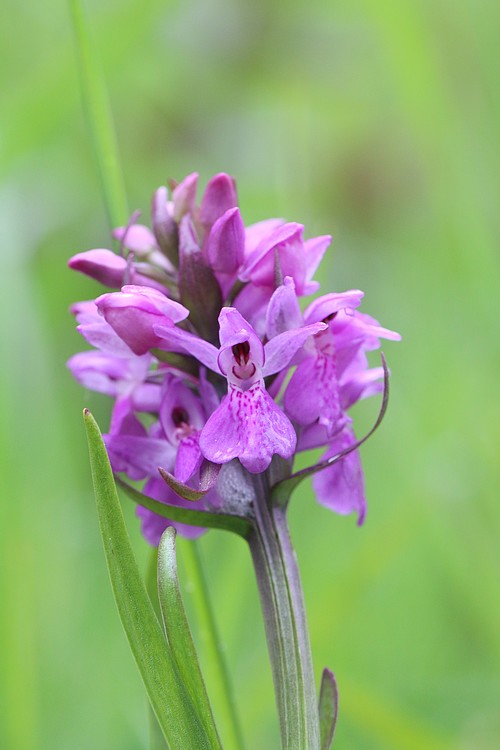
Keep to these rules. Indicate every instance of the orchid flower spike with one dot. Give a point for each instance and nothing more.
(214, 369)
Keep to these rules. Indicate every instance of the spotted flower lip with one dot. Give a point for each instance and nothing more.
(211, 357)
(248, 424)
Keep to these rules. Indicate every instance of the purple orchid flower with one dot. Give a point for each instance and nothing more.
(281, 380)
(248, 424)
(283, 248)
(171, 443)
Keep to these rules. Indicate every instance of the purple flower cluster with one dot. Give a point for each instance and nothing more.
(209, 357)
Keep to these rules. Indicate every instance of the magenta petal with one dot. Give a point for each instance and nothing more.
(234, 329)
(247, 425)
(96, 331)
(341, 487)
(146, 397)
(124, 421)
(102, 265)
(329, 304)
(226, 242)
(219, 197)
(107, 373)
(138, 456)
(137, 238)
(173, 339)
(314, 249)
(102, 336)
(180, 409)
(256, 233)
(283, 311)
(363, 385)
(281, 349)
(312, 393)
(259, 265)
(184, 196)
(208, 394)
(134, 312)
(189, 457)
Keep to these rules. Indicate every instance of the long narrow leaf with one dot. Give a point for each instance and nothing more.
(212, 519)
(179, 635)
(222, 691)
(99, 120)
(167, 694)
(328, 708)
(156, 739)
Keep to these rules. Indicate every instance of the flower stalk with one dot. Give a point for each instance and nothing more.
(280, 589)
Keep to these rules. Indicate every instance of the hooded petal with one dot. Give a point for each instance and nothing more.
(135, 311)
(283, 311)
(234, 329)
(226, 242)
(329, 304)
(219, 197)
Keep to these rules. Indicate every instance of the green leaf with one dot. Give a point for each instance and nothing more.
(167, 694)
(156, 739)
(179, 635)
(99, 120)
(222, 691)
(211, 519)
(328, 708)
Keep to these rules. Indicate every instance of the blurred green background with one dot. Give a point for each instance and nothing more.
(379, 122)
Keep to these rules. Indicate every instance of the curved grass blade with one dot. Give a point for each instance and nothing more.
(179, 635)
(211, 519)
(167, 694)
(328, 708)
(99, 120)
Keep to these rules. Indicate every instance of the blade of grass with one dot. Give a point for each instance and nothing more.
(99, 120)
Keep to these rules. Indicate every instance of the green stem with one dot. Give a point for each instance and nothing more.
(282, 600)
(209, 632)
